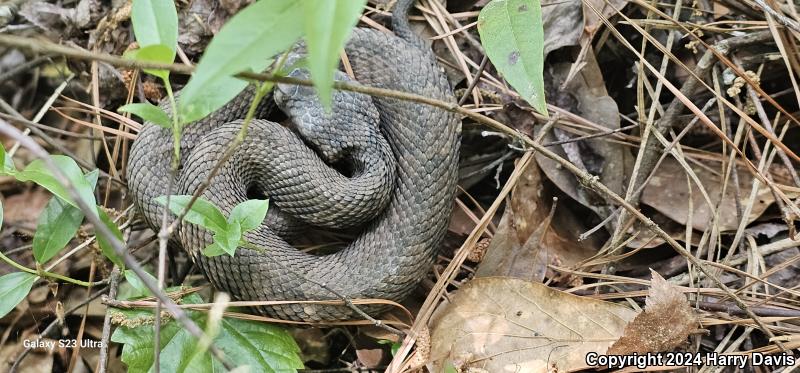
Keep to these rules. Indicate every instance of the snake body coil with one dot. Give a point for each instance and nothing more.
(393, 251)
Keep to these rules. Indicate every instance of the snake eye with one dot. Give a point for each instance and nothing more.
(284, 91)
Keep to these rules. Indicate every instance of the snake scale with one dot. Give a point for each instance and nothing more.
(403, 156)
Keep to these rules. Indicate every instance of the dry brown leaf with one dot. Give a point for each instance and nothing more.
(720, 10)
(39, 361)
(460, 223)
(510, 325)
(668, 193)
(585, 94)
(25, 207)
(527, 239)
(592, 22)
(562, 24)
(589, 89)
(313, 343)
(664, 324)
(369, 358)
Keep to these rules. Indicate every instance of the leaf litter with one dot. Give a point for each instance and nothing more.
(595, 86)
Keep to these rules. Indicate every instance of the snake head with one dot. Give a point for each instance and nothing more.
(335, 132)
(288, 95)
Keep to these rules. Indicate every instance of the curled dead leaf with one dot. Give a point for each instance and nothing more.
(531, 234)
(580, 89)
(665, 323)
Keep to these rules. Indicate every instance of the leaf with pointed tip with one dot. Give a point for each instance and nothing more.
(250, 214)
(512, 33)
(202, 212)
(148, 112)
(14, 287)
(40, 174)
(327, 25)
(247, 42)
(57, 225)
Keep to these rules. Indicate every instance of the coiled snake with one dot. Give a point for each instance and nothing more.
(411, 170)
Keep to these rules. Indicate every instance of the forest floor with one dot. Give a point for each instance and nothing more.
(668, 159)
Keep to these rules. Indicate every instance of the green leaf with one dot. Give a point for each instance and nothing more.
(137, 352)
(249, 214)
(14, 287)
(155, 22)
(40, 174)
(228, 240)
(513, 35)
(6, 163)
(58, 224)
(247, 42)
(105, 245)
(148, 112)
(202, 213)
(393, 346)
(215, 249)
(263, 347)
(154, 53)
(138, 284)
(327, 26)
(91, 177)
(227, 233)
(450, 368)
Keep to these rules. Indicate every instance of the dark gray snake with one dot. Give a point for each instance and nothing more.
(402, 155)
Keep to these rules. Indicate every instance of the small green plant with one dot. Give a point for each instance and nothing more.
(228, 233)
(56, 226)
(247, 42)
(260, 346)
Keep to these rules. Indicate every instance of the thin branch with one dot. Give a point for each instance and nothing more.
(49, 140)
(592, 136)
(474, 82)
(102, 364)
(650, 151)
(786, 21)
(43, 273)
